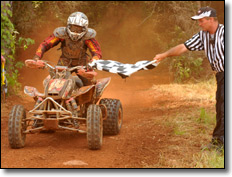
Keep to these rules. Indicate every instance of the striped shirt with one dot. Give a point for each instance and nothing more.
(213, 47)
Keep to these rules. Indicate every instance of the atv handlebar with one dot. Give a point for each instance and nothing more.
(77, 67)
(41, 64)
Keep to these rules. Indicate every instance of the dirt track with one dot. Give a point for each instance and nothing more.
(140, 144)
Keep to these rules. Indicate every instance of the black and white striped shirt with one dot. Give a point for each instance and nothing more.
(213, 46)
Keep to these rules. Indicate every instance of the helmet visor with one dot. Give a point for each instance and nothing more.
(75, 32)
(76, 29)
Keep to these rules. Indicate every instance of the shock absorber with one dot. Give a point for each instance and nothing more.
(37, 122)
(74, 104)
(39, 100)
(73, 108)
(69, 107)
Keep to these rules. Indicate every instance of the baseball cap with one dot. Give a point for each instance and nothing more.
(205, 12)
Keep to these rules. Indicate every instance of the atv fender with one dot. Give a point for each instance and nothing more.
(101, 86)
(84, 94)
(32, 92)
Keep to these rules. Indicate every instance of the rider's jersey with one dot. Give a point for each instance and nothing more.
(71, 49)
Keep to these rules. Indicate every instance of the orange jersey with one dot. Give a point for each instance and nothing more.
(52, 41)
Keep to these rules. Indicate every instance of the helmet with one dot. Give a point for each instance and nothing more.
(78, 19)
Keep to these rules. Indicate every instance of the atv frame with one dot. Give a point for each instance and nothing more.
(66, 105)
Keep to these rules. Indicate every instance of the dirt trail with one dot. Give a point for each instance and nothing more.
(142, 138)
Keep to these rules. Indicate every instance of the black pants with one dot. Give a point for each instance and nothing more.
(218, 133)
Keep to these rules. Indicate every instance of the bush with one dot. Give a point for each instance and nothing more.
(9, 43)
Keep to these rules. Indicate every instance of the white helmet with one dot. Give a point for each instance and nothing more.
(79, 19)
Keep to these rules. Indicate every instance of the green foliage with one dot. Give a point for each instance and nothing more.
(25, 42)
(12, 81)
(187, 66)
(9, 43)
(8, 33)
(37, 4)
(209, 160)
(205, 117)
(177, 131)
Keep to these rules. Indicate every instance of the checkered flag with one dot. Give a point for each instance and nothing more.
(124, 70)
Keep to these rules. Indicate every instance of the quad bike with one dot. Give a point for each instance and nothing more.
(66, 105)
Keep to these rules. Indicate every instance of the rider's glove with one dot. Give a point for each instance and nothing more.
(40, 64)
(36, 58)
(89, 67)
(94, 58)
(92, 61)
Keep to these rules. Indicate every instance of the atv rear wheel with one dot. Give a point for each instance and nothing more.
(94, 127)
(16, 127)
(113, 122)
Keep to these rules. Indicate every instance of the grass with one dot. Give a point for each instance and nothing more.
(178, 131)
(191, 116)
(199, 91)
(209, 160)
(193, 128)
(206, 118)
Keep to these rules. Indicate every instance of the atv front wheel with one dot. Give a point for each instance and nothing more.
(113, 122)
(16, 127)
(94, 127)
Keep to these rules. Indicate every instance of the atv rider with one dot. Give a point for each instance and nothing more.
(75, 39)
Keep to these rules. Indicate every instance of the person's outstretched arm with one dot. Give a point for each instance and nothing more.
(175, 51)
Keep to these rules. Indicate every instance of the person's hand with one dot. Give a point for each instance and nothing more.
(92, 61)
(159, 57)
(40, 64)
(36, 58)
(81, 71)
(94, 58)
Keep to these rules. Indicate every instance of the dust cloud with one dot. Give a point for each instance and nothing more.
(123, 36)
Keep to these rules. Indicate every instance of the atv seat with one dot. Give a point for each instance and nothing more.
(85, 94)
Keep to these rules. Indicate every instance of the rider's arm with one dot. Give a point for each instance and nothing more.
(94, 48)
(48, 43)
